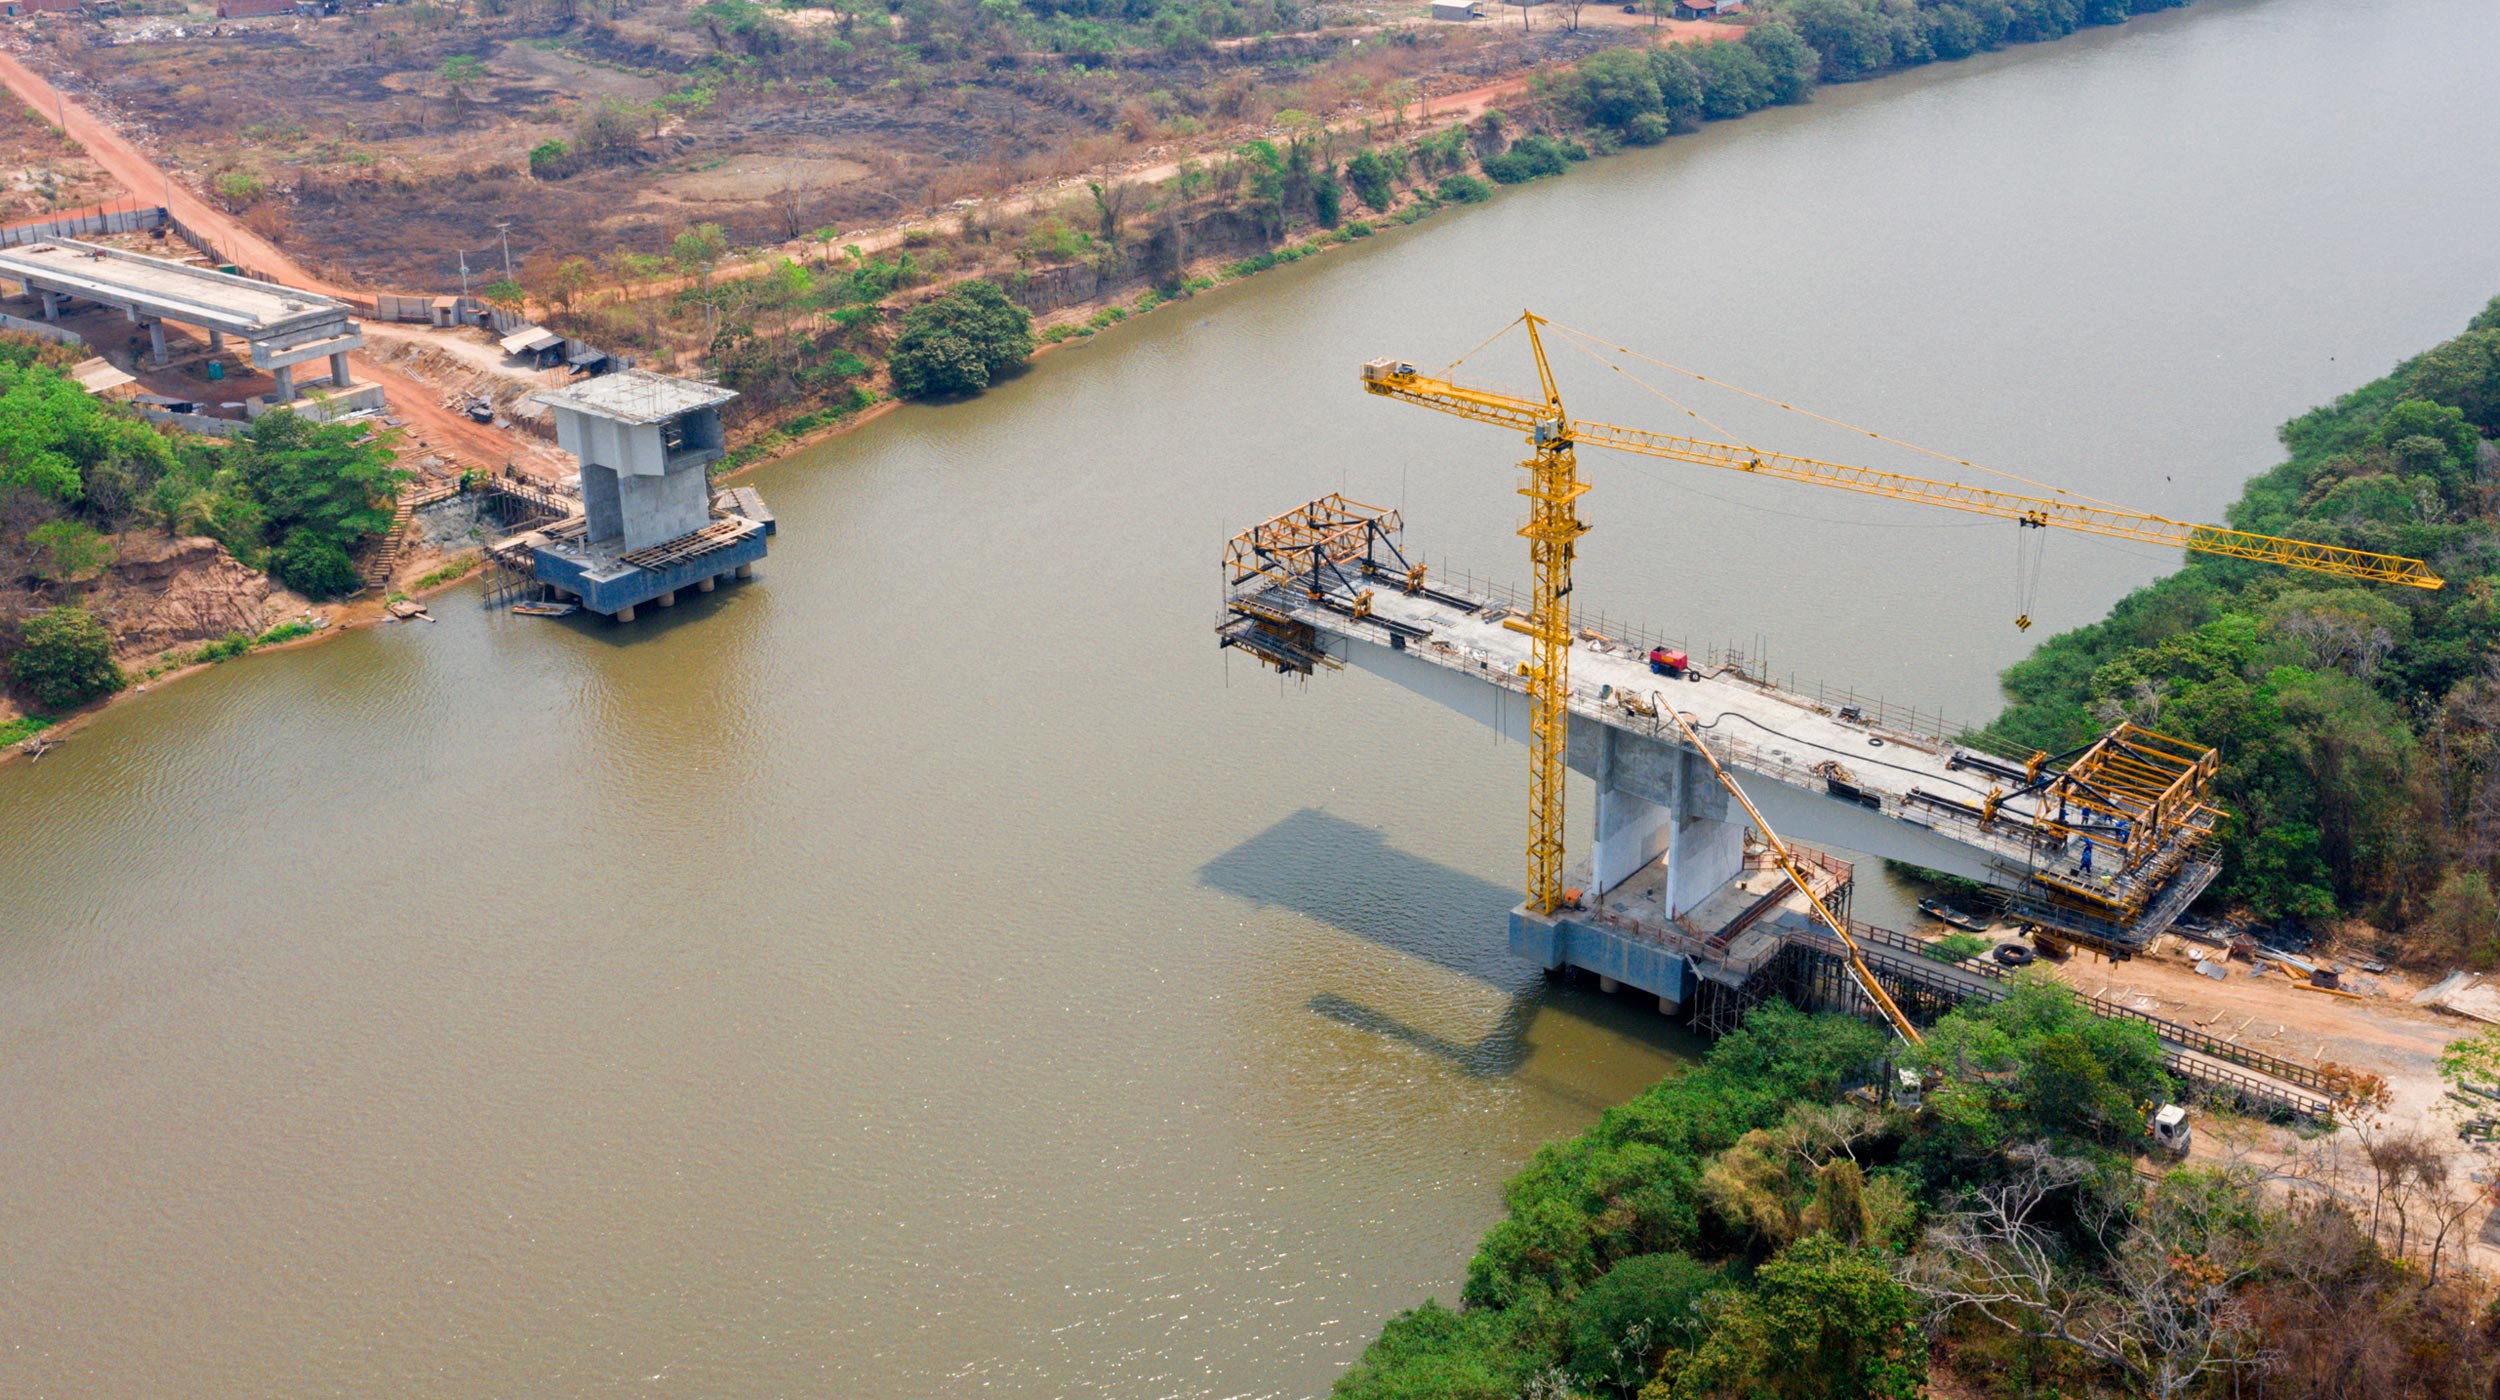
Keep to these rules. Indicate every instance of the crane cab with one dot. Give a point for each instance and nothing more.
(2169, 1129)
(1909, 1091)
(1387, 371)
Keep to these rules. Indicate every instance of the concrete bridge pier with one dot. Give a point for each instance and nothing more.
(1692, 828)
(1706, 845)
(746, 571)
(338, 371)
(707, 583)
(51, 307)
(285, 375)
(156, 341)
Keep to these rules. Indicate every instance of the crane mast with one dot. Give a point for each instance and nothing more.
(1553, 532)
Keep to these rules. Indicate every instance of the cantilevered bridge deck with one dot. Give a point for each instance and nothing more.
(1326, 588)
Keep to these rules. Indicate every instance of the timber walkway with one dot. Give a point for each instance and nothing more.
(2255, 1081)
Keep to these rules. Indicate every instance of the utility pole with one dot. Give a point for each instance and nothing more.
(60, 104)
(504, 229)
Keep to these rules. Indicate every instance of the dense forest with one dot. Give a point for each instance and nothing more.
(1751, 1230)
(2357, 724)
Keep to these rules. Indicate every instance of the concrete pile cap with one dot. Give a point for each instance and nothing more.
(636, 396)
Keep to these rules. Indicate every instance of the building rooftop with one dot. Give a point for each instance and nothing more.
(637, 396)
(160, 286)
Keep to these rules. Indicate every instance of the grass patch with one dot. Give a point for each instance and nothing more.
(1957, 947)
(236, 644)
(457, 568)
(23, 727)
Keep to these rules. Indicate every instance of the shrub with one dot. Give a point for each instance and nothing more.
(1465, 189)
(1432, 1353)
(1529, 158)
(1052, 241)
(64, 658)
(550, 160)
(1822, 1319)
(1957, 947)
(957, 343)
(240, 189)
(75, 549)
(1643, 1307)
(314, 566)
(1371, 174)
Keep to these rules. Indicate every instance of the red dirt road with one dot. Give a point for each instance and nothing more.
(430, 425)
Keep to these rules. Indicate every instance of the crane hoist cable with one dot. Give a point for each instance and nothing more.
(2031, 552)
(1858, 970)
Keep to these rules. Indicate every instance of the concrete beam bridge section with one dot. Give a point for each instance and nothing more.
(1327, 587)
(282, 327)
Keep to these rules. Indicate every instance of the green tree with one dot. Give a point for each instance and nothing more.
(1614, 86)
(959, 342)
(459, 73)
(1824, 1321)
(315, 566)
(2461, 921)
(699, 249)
(1790, 64)
(76, 550)
(55, 436)
(1734, 80)
(64, 658)
(1372, 175)
(1642, 1308)
(2464, 374)
(1850, 37)
(1432, 1353)
(328, 482)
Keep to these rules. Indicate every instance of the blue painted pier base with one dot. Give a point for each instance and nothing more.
(1570, 940)
(603, 585)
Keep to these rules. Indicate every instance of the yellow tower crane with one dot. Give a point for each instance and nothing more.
(1554, 529)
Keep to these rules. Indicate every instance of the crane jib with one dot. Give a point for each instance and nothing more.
(1539, 424)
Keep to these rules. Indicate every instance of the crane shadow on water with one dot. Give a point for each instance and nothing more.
(1349, 877)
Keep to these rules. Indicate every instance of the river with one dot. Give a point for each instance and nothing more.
(932, 970)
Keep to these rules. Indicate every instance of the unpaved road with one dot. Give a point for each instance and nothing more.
(429, 425)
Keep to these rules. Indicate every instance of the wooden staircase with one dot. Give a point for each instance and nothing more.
(385, 556)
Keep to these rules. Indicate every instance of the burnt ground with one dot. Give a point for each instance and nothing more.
(43, 172)
(373, 172)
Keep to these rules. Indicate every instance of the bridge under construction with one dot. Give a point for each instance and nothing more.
(2104, 849)
(1690, 892)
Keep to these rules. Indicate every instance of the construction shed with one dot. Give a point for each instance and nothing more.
(1458, 9)
(253, 9)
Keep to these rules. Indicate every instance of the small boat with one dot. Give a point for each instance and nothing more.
(545, 609)
(1938, 909)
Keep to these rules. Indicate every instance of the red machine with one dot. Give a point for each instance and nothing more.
(1665, 662)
